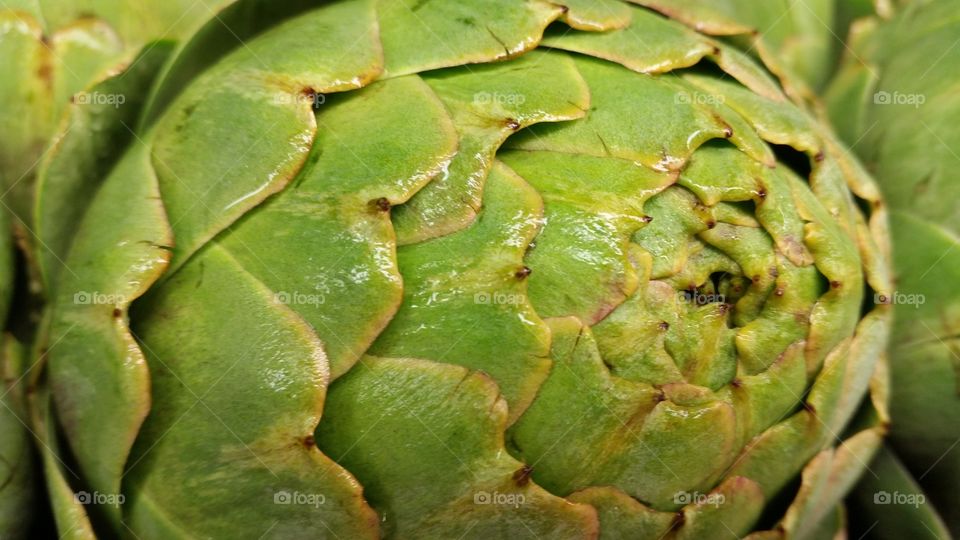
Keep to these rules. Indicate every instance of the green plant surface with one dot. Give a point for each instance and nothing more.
(894, 99)
(405, 269)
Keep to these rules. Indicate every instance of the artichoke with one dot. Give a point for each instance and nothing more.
(895, 100)
(421, 269)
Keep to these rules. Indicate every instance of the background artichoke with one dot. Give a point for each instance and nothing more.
(573, 270)
(895, 100)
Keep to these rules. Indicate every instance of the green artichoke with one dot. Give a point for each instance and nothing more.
(895, 100)
(421, 269)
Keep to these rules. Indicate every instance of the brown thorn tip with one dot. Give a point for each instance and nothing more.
(523, 272)
(513, 124)
(664, 325)
(316, 98)
(819, 156)
(646, 219)
(521, 476)
(309, 442)
(117, 313)
(835, 284)
(382, 204)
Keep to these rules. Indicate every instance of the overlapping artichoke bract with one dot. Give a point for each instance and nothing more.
(559, 286)
(51, 50)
